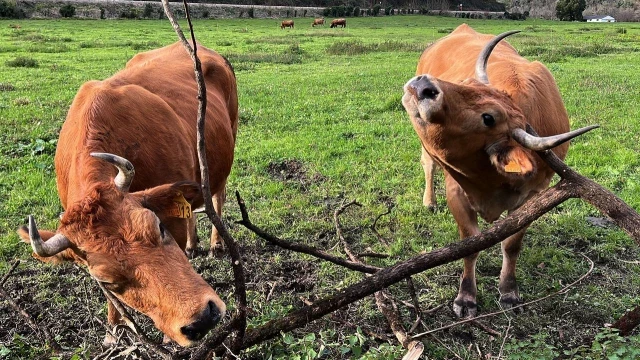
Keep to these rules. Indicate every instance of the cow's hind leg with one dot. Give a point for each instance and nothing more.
(508, 286)
(429, 166)
(465, 303)
(217, 244)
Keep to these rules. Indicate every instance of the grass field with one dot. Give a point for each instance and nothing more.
(321, 122)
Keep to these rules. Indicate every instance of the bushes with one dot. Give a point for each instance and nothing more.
(148, 11)
(67, 10)
(10, 10)
(376, 10)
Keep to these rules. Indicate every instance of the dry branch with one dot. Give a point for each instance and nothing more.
(229, 241)
(297, 247)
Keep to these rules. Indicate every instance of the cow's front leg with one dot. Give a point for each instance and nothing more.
(467, 219)
(113, 319)
(508, 286)
(429, 166)
(217, 244)
(192, 238)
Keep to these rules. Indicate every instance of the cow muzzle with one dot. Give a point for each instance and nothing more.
(203, 323)
(422, 97)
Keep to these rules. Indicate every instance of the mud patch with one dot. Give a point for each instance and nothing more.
(293, 171)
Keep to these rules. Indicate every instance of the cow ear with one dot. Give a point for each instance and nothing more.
(167, 198)
(63, 256)
(513, 161)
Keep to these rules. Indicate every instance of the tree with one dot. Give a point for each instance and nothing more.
(570, 10)
(67, 10)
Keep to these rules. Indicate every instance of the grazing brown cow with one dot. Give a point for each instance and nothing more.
(470, 117)
(131, 231)
(318, 22)
(338, 22)
(286, 23)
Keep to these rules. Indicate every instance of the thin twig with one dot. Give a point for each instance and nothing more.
(336, 219)
(561, 291)
(504, 339)
(485, 328)
(309, 250)
(375, 222)
(11, 269)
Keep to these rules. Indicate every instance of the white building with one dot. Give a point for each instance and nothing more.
(599, 18)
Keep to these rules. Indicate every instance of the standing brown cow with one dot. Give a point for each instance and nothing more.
(470, 114)
(286, 23)
(131, 231)
(338, 22)
(318, 22)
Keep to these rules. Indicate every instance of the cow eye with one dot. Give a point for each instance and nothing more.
(113, 287)
(488, 120)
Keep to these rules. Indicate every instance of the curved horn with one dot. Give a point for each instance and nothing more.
(483, 58)
(54, 245)
(545, 143)
(125, 169)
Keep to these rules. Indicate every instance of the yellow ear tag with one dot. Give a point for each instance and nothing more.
(512, 167)
(182, 208)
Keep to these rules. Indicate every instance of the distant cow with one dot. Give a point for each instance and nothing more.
(338, 22)
(470, 114)
(318, 22)
(131, 231)
(286, 23)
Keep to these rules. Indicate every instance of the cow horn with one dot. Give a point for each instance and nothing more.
(125, 169)
(54, 245)
(547, 142)
(483, 58)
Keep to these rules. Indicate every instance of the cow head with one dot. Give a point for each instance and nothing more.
(474, 116)
(122, 240)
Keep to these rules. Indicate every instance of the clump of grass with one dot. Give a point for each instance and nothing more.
(6, 87)
(22, 61)
(145, 45)
(549, 54)
(224, 43)
(621, 30)
(36, 37)
(271, 40)
(56, 48)
(91, 44)
(358, 47)
(325, 34)
(444, 30)
(21, 101)
(286, 59)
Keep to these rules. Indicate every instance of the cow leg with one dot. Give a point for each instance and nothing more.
(192, 238)
(429, 166)
(217, 244)
(113, 319)
(467, 219)
(508, 286)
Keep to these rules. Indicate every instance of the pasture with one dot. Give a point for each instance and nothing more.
(321, 123)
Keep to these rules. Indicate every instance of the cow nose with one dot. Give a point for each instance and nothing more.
(205, 322)
(422, 88)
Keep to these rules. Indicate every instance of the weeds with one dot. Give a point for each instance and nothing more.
(358, 47)
(6, 87)
(22, 61)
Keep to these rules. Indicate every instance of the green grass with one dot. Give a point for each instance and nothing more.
(320, 123)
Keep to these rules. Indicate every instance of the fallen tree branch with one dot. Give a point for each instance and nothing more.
(514, 222)
(229, 241)
(561, 291)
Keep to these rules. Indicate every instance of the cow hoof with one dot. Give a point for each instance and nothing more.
(509, 300)
(465, 308)
(216, 251)
(109, 341)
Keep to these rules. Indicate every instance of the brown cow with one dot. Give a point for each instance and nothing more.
(337, 22)
(318, 22)
(286, 23)
(475, 131)
(131, 232)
